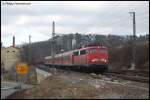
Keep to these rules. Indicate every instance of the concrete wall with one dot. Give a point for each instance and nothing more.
(2, 56)
(9, 57)
(41, 75)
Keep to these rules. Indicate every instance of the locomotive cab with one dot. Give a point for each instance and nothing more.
(97, 58)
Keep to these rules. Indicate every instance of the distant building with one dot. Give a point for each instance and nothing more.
(2, 56)
(73, 43)
(10, 56)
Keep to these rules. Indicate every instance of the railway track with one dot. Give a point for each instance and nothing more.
(133, 75)
(143, 73)
(128, 77)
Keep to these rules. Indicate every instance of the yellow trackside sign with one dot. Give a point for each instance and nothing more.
(22, 68)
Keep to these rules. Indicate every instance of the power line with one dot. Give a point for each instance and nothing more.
(119, 22)
(112, 8)
(120, 19)
(111, 14)
(106, 12)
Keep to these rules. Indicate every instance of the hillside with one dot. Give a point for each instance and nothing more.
(120, 48)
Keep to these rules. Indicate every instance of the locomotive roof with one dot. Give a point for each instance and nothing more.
(70, 52)
(90, 47)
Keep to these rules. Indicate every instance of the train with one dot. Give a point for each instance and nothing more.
(89, 57)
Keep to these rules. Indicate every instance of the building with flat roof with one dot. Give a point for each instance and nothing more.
(10, 56)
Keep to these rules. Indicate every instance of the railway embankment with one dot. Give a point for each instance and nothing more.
(62, 84)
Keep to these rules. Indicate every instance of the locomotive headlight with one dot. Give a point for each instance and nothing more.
(94, 60)
(104, 60)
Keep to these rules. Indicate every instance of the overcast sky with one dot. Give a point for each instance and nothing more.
(86, 17)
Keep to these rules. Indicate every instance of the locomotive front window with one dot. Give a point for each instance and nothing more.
(92, 51)
(83, 52)
(103, 50)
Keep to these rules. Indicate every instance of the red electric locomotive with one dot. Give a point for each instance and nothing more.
(91, 57)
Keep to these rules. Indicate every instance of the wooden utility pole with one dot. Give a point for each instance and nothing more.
(133, 41)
